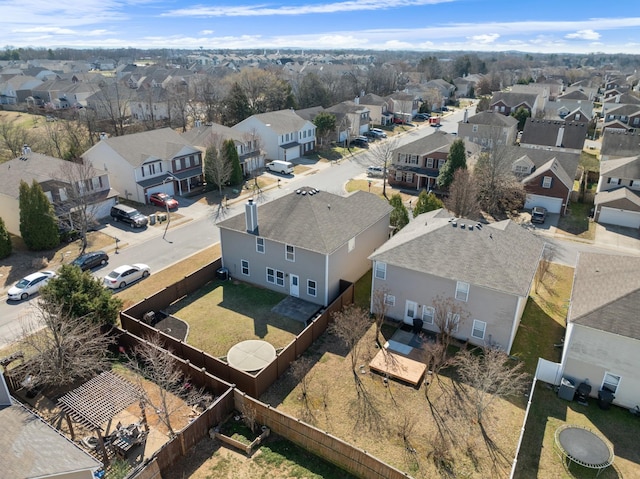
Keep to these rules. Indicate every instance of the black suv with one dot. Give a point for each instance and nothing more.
(129, 215)
(91, 260)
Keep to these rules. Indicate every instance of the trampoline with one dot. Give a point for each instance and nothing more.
(582, 446)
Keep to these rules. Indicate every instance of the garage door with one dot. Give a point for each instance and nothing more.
(614, 216)
(553, 205)
(166, 188)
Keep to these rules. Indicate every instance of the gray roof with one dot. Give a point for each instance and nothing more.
(539, 157)
(137, 148)
(29, 447)
(201, 136)
(281, 121)
(623, 110)
(620, 143)
(545, 133)
(372, 99)
(309, 113)
(606, 294)
(438, 141)
(625, 98)
(501, 256)
(556, 168)
(621, 168)
(36, 166)
(321, 222)
(514, 99)
(574, 95)
(630, 199)
(493, 119)
(347, 107)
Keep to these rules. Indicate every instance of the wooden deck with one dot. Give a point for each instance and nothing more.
(398, 367)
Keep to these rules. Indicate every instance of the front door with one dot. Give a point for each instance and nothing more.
(294, 285)
(410, 312)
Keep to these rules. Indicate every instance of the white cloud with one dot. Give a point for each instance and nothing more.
(485, 38)
(206, 32)
(583, 35)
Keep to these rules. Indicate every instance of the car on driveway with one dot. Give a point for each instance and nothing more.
(375, 171)
(163, 200)
(129, 215)
(378, 133)
(125, 275)
(29, 285)
(91, 260)
(422, 116)
(538, 214)
(360, 141)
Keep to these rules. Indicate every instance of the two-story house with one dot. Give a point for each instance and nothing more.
(416, 165)
(558, 135)
(488, 128)
(305, 243)
(403, 106)
(484, 270)
(378, 109)
(352, 119)
(66, 185)
(619, 144)
(617, 200)
(628, 115)
(247, 145)
(284, 134)
(149, 162)
(506, 102)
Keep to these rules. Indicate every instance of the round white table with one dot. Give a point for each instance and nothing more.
(251, 355)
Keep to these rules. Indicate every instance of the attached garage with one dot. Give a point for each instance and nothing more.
(553, 205)
(615, 216)
(167, 188)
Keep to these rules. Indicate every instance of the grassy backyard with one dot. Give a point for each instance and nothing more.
(577, 222)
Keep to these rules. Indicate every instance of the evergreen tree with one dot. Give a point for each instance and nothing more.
(521, 114)
(231, 154)
(457, 158)
(5, 241)
(325, 125)
(426, 202)
(38, 222)
(399, 216)
(235, 106)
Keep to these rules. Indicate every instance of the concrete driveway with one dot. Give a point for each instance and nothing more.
(618, 238)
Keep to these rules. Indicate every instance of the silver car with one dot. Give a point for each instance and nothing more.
(29, 285)
(125, 275)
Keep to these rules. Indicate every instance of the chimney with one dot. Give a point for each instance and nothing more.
(251, 216)
(5, 397)
(560, 136)
(103, 136)
(465, 119)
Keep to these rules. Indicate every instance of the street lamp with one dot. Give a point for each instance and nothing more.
(166, 204)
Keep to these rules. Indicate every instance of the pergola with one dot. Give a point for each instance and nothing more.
(97, 401)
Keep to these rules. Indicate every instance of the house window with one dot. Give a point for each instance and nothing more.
(610, 382)
(271, 275)
(441, 163)
(474, 128)
(462, 291)
(260, 245)
(428, 314)
(312, 287)
(409, 177)
(389, 300)
(352, 244)
(280, 278)
(429, 162)
(398, 175)
(453, 322)
(479, 327)
(244, 264)
(290, 254)
(381, 270)
(613, 181)
(546, 182)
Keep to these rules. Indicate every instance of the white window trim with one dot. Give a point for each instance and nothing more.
(380, 270)
(484, 328)
(260, 248)
(242, 267)
(389, 299)
(462, 288)
(273, 275)
(290, 255)
(352, 244)
(425, 316)
(604, 380)
(280, 278)
(312, 291)
(547, 181)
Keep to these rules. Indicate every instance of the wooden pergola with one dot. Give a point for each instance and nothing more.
(97, 402)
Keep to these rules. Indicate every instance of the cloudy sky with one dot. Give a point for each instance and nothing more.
(547, 26)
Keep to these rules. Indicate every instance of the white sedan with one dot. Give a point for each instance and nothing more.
(29, 285)
(126, 274)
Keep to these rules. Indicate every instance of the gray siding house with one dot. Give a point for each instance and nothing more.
(486, 270)
(306, 242)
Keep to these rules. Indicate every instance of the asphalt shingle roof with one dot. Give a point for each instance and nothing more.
(282, 121)
(502, 256)
(320, 222)
(618, 143)
(606, 294)
(493, 119)
(621, 167)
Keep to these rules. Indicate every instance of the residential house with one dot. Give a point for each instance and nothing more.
(17, 89)
(284, 135)
(485, 270)
(619, 144)
(51, 94)
(247, 146)
(602, 342)
(111, 102)
(548, 186)
(416, 165)
(446, 90)
(378, 109)
(149, 162)
(625, 98)
(403, 106)
(61, 184)
(558, 135)
(30, 448)
(487, 127)
(569, 110)
(617, 200)
(305, 243)
(150, 104)
(506, 103)
(627, 115)
(352, 119)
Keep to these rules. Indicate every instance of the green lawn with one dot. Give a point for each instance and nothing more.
(222, 314)
(589, 162)
(577, 222)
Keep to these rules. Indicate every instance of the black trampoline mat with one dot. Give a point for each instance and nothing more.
(583, 446)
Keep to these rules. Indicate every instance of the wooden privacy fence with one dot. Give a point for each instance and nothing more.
(350, 458)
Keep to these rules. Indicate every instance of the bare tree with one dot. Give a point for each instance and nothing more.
(63, 348)
(350, 325)
(463, 195)
(178, 99)
(111, 103)
(449, 315)
(12, 139)
(217, 167)
(379, 307)
(434, 355)
(383, 155)
(171, 392)
(491, 375)
(301, 372)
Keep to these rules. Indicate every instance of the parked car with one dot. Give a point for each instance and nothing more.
(375, 171)
(538, 214)
(91, 260)
(422, 116)
(444, 108)
(378, 132)
(129, 215)
(370, 135)
(29, 285)
(360, 141)
(163, 200)
(126, 274)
